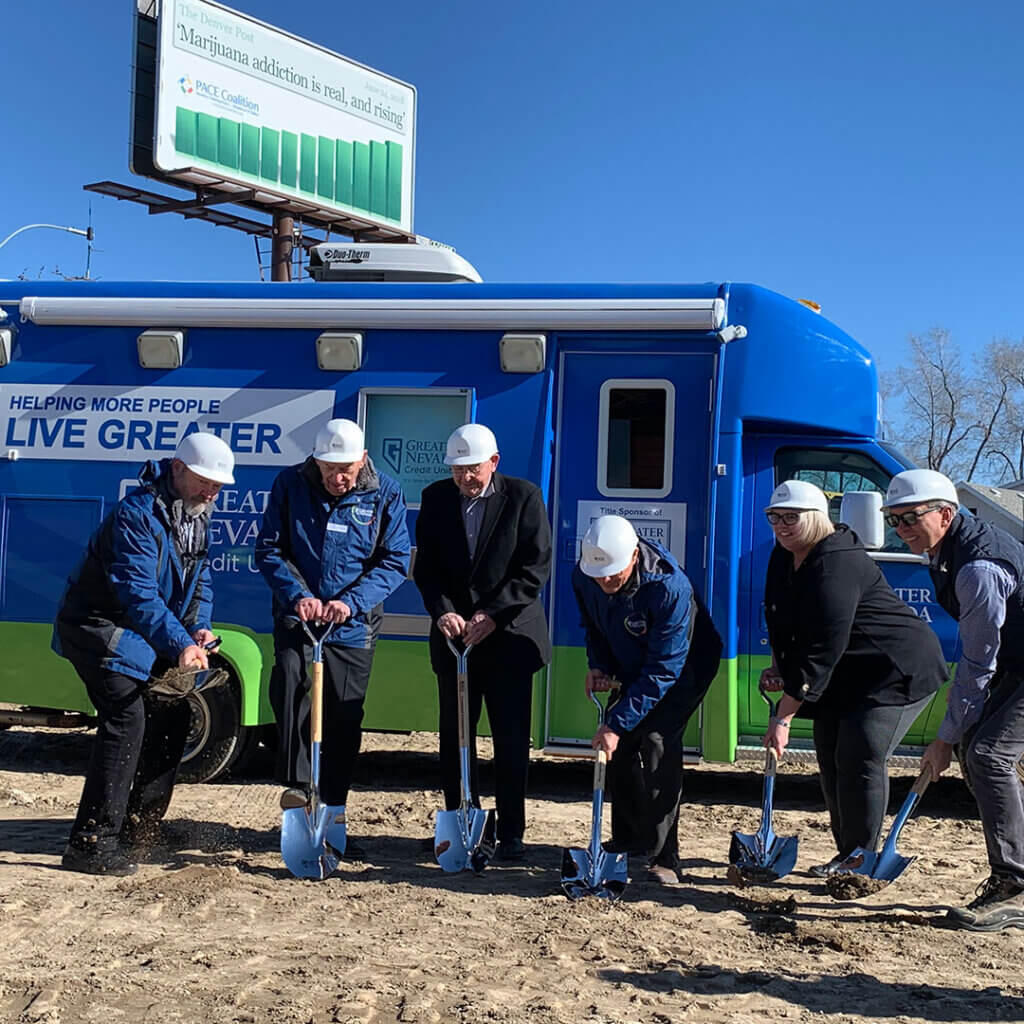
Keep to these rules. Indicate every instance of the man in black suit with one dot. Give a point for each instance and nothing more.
(483, 555)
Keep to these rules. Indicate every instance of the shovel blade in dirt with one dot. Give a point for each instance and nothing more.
(764, 856)
(887, 865)
(584, 875)
(304, 846)
(595, 871)
(464, 839)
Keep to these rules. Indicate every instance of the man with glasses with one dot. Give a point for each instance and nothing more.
(978, 573)
(483, 556)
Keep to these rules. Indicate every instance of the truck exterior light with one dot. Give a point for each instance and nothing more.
(523, 353)
(339, 350)
(161, 350)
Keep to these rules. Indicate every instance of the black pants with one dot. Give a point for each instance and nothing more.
(139, 742)
(508, 693)
(645, 775)
(346, 678)
(993, 748)
(853, 749)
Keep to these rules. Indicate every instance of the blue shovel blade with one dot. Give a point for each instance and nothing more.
(337, 830)
(604, 877)
(464, 839)
(886, 866)
(762, 862)
(303, 843)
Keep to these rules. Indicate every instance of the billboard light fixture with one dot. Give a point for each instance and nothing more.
(339, 350)
(6, 345)
(161, 350)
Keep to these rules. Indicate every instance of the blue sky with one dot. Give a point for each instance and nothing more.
(867, 156)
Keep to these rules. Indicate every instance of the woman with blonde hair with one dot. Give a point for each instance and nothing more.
(849, 654)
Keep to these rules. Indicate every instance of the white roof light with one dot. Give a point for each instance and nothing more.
(358, 261)
(161, 350)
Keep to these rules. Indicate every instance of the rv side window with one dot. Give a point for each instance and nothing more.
(406, 431)
(635, 438)
(836, 471)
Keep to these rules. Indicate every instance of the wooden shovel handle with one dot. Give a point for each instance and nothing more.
(316, 703)
(600, 768)
(921, 783)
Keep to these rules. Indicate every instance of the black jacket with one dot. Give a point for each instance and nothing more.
(842, 639)
(504, 579)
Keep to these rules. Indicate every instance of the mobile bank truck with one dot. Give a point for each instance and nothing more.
(679, 407)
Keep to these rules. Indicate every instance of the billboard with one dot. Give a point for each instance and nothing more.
(246, 103)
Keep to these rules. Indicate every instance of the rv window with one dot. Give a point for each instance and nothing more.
(836, 471)
(406, 430)
(636, 438)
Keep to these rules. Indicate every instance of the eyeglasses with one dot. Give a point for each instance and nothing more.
(908, 518)
(788, 518)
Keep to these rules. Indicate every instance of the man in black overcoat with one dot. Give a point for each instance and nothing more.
(483, 556)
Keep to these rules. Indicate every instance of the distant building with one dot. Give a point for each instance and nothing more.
(1001, 506)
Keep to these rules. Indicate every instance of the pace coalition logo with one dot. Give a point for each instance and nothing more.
(392, 452)
(186, 84)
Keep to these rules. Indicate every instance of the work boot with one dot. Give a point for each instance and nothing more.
(999, 904)
(90, 859)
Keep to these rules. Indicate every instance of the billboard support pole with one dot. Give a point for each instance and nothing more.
(283, 243)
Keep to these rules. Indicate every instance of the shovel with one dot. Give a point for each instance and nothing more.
(594, 871)
(464, 838)
(312, 833)
(764, 856)
(888, 865)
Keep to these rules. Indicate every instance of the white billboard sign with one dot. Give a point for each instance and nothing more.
(263, 426)
(251, 104)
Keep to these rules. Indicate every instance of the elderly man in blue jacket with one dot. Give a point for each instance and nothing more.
(649, 635)
(141, 593)
(333, 545)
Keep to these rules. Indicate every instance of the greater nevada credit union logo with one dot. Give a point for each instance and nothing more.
(392, 452)
(186, 84)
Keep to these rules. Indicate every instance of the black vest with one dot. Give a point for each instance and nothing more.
(971, 540)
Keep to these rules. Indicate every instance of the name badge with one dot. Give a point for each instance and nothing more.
(337, 527)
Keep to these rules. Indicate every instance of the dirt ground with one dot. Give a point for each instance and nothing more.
(213, 929)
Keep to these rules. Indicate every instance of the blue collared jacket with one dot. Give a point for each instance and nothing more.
(354, 548)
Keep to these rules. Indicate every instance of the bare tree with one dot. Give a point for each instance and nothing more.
(963, 419)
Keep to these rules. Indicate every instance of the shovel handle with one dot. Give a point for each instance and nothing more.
(600, 769)
(921, 783)
(316, 703)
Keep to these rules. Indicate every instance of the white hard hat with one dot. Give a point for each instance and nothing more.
(470, 444)
(799, 494)
(913, 486)
(207, 456)
(608, 546)
(339, 441)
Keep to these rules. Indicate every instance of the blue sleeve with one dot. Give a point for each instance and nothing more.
(271, 558)
(134, 568)
(599, 653)
(667, 647)
(388, 567)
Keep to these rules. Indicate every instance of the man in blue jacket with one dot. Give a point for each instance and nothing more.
(141, 593)
(333, 546)
(648, 634)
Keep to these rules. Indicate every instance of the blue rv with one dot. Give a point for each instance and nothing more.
(679, 406)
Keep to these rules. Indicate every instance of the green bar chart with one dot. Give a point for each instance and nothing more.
(363, 175)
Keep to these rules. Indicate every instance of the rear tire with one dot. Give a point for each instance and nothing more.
(217, 740)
